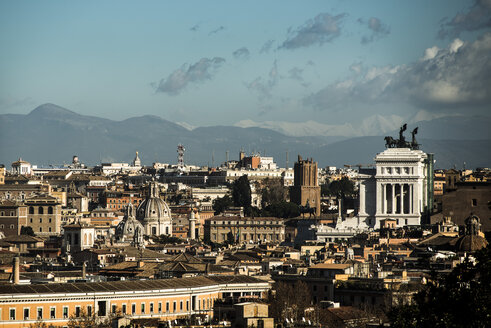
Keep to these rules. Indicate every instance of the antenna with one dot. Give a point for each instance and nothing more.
(226, 156)
(213, 158)
(180, 157)
(286, 159)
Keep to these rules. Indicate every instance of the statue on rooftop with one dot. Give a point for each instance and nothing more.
(401, 142)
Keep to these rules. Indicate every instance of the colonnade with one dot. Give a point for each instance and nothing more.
(398, 198)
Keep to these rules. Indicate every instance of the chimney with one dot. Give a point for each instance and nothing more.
(15, 271)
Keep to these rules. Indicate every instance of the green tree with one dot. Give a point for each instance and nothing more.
(272, 192)
(26, 230)
(339, 188)
(282, 209)
(460, 299)
(222, 204)
(241, 193)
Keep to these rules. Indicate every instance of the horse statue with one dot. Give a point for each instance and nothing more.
(390, 142)
(307, 209)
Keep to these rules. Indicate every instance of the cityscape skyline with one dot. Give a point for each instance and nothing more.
(331, 63)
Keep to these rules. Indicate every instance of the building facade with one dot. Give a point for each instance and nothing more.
(44, 214)
(236, 229)
(164, 299)
(399, 188)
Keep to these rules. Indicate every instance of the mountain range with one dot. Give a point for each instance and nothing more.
(51, 135)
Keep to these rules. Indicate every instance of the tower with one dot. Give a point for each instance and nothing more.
(180, 157)
(137, 161)
(192, 225)
(306, 190)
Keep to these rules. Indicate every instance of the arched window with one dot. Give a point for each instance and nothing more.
(41, 210)
(50, 210)
(31, 210)
(85, 239)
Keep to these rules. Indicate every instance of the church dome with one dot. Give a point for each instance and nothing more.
(153, 208)
(129, 226)
(471, 241)
(154, 213)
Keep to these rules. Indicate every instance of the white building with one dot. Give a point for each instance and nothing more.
(397, 188)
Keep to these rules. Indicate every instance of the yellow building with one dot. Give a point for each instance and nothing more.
(164, 299)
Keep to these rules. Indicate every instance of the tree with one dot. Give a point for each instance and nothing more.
(460, 299)
(339, 188)
(222, 204)
(272, 192)
(26, 230)
(289, 300)
(241, 193)
(282, 209)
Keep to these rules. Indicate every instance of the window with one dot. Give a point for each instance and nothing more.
(11, 226)
(187, 305)
(49, 220)
(160, 307)
(65, 312)
(113, 308)
(89, 310)
(167, 307)
(143, 308)
(41, 210)
(52, 312)
(123, 308)
(31, 210)
(133, 308)
(26, 314)
(151, 307)
(174, 307)
(40, 313)
(50, 210)
(30, 220)
(474, 202)
(77, 311)
(12, 314)
(180, 306)
(40, 220)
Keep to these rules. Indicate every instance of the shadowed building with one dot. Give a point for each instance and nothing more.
(306, 190)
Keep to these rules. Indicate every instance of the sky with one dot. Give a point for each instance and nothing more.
(203, 63)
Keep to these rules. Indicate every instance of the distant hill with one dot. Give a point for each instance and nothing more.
(51, 135)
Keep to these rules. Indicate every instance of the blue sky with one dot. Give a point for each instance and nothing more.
(224, 62)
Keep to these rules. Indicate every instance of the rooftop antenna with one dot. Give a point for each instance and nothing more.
(180, 157)
(213, 158)
(226, 156)
(286, 159)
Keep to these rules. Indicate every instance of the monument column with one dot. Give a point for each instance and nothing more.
(384, 197)
(402, 198)
(393, 202)
(362, 198)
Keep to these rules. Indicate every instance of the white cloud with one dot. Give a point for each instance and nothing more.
(456, 78)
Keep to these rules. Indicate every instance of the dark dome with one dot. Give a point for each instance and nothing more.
(470, 243)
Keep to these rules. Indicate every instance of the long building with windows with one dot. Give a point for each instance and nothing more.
(165, 299)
